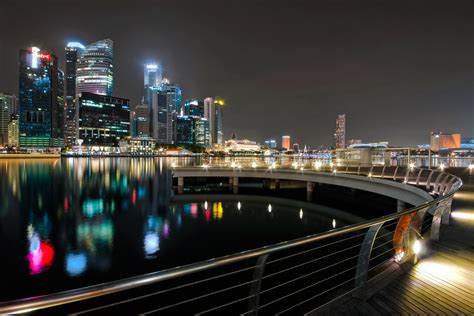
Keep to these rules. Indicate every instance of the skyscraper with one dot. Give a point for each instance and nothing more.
(141, 121)
(7, 108)
(219, 132)
(285, 142)
(73, 51)
(193, 108)
(340, 132)
(210, 115)
(95, 68)
(13, 131)
(41, 101)
(153, 75)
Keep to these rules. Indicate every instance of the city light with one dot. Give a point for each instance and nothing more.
(333, 223)
(471, 167)
(205, 166)
(269, 208)
(301, 213)
(412, 165)
(417, 247)
(254, 165)
(239, 205)
(442, 167)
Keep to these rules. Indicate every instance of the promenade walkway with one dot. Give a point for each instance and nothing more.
(442, 283)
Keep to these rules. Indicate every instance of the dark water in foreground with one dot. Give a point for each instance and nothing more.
(66, 223)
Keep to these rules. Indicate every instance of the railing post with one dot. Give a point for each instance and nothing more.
(364, 257)
(428, 181)
(180, 185)
(418, 177)
(254, 298)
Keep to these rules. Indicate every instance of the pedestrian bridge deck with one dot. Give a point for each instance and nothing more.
(441, 283)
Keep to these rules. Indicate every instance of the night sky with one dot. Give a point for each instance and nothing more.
(398, 69)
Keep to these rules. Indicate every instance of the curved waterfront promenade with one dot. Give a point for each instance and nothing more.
(290, 277)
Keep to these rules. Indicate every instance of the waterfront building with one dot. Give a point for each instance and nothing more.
(286, 142)
(141, 121)
(340, 132)
(73, 51)
(41, 99)
(95, 68)
(440, 141)
(242, 146)
(140, 146)
(103, 120)
(271, 143)
(13, 131)
(7, 108)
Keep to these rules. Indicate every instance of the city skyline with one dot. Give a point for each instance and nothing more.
(392, 81)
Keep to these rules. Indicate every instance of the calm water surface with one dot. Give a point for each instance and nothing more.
(72, 222)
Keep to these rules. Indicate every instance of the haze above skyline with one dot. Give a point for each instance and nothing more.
(398, 70)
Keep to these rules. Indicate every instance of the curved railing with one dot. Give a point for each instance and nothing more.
(295, 275)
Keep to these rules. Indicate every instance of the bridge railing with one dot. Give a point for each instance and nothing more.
(296, 275)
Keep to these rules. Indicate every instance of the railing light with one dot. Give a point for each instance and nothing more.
(471, 167)
(411, 165)
(399, 256)
(442, 166)
(205, 166)
(254, 165)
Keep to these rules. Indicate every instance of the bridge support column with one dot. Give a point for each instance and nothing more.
(277, 184)
(235, 185)
(309, 190)
(401, 206)
(180, 185)
(230, 182)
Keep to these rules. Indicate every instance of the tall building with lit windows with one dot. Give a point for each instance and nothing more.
(95, 70)
(7, 108)
(340, 132)
(41, 101)
(153, 75)
(73, 51)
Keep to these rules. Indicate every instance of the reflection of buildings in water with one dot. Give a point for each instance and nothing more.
(217, 210)
(40, 250)
(151, 236)
(96, 236)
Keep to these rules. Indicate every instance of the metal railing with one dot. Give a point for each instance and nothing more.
(297, 275)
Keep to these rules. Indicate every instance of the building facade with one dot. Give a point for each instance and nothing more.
(219, 125)
(141, 121)
(7, 108)
(41, 100)
(285, 142)
(73, 51)
(439, 141)
(340, 132)
(14, 131)
(95, 71)
(103, 120)
(192, 130)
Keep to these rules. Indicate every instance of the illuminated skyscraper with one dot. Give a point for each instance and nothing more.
(95, 70)
(73, 51)
(219, 132)
(340, 132)
(141, 121)
(7, 108)
(285, 142)
(153, 75)
(13, 131)
(41, 101)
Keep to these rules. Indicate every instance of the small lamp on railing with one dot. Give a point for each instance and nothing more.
(412, 166)
(442, 166)
(417, 247)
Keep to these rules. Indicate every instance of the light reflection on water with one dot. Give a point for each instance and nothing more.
(73, 222)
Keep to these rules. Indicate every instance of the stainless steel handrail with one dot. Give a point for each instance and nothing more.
(50, 300)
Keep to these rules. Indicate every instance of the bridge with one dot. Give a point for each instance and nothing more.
(410, 261)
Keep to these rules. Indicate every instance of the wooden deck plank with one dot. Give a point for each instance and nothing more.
(414, 302)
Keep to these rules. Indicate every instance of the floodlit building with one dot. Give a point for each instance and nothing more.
(340, 131)
(271, 143)
(41, 99)
(95, 70)
(244, 145)
(103, 120)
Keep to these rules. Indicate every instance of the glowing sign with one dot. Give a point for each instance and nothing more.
(44, 56)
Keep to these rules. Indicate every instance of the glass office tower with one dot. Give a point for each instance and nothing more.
(41, 101)
(95, 70)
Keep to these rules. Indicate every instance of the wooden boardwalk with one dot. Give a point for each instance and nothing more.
(442, 283)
